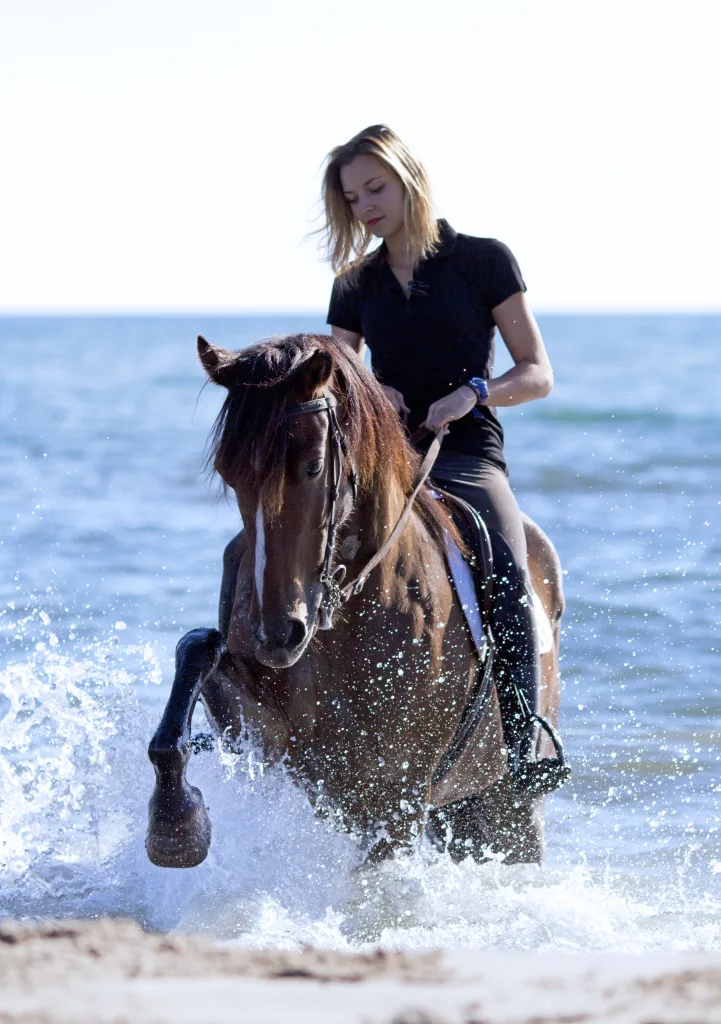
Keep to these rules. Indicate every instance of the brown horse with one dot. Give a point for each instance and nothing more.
(362, 701)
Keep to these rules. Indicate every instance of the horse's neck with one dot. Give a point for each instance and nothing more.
(377, 515)
(406, 591)
(369, 529)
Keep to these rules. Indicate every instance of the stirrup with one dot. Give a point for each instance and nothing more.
(537, 778)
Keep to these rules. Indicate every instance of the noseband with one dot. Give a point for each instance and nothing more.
(335, 596)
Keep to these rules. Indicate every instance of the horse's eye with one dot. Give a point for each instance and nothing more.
(315, 468)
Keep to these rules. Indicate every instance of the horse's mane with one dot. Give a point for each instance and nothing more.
(249, 438)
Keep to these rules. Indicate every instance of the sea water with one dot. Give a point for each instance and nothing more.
(110, 548)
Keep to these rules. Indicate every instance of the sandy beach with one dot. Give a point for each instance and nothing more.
(111, 972)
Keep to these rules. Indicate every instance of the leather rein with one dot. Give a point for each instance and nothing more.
(335, 595)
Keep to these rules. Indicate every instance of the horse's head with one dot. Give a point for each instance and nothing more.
(283, 458)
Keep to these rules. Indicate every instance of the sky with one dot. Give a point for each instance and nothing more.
(165, 155)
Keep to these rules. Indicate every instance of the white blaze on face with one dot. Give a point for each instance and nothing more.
(259, 553)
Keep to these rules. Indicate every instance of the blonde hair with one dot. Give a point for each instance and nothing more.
(346, 240)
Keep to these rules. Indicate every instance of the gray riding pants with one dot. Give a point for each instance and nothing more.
(485, 486)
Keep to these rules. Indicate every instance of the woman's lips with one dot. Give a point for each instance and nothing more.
(375, 220)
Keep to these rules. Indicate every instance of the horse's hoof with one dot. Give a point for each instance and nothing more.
(181, 842)
(175, 851)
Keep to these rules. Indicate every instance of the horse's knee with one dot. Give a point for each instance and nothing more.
(199, 651)
(196, 656)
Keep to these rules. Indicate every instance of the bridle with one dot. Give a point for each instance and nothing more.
(330, 578)
(336, 596)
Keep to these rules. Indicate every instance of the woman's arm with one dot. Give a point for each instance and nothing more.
(532, 376)
(355, 341)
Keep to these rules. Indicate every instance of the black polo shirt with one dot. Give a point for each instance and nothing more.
(430, 343)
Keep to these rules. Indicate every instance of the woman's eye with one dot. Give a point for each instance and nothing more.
(352, 202)
(315, 468)
(375, 191)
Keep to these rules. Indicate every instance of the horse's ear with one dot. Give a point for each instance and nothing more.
(221, 366)
(315, 372)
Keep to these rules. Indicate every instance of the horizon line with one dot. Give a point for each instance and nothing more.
(269, 312)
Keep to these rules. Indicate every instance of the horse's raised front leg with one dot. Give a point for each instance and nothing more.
(178, 824)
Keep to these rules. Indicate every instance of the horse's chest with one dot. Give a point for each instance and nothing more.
(385, 676)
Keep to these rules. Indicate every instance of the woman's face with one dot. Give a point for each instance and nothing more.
(375, 195)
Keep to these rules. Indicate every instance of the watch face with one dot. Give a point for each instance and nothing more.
(481, 387)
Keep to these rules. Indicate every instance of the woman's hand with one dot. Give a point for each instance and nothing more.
(397, 401)
(449, 408)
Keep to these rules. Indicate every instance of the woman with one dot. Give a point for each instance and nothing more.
(427, 302)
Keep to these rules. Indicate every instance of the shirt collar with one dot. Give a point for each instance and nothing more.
(446, 245)
(448, 239)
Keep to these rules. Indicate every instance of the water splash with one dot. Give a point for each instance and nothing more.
(75, 781)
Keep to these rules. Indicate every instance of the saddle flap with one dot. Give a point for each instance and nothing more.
(472, 576)
(465, 586)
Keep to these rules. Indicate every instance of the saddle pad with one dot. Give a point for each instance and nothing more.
(543, 625)
(467, 581)
(466, 590)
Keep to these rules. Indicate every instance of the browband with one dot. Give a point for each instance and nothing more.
(314, 405)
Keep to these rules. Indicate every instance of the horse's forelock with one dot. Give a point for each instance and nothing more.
(249, 438)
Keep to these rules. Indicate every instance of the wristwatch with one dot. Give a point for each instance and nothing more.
(480, 386)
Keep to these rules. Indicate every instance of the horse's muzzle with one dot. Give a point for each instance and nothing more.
(282, 642)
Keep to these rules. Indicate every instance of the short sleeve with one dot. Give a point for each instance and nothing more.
(344, 309)
(503, 273)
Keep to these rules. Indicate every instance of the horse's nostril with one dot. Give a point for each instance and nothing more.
(288, 633)
(297, 632)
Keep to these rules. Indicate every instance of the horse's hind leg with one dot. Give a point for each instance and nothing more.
(495, 821)
(460, 829)
(515, 822)
(178, 824)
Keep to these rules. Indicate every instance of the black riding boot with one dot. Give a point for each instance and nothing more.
(518, 678)
(518, 700)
